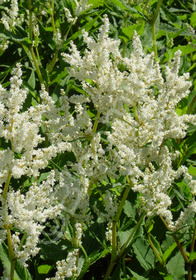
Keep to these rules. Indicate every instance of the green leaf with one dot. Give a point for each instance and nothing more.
(192, 170)
(175, 267)
(184, 49)
(19, 36)
(156, 245)
(136, 276)
(128, 31)
(96, 3)
(168, 277)
(123, 236)
(31, 80)
(129, 209)
(78, 89)
(44, 269)
(168, 252)
(193, 19)
(144, 254)
(192, 256)
(119, 4)
(88, 26)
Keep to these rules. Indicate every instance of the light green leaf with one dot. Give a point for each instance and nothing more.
(96, 3)
(192, 256)
(184, 49)
(176, 267)
(31, 80)
(193, 19)
(168, 252)
(119, 4)
(128, 31)
(192, 170)
(168, 277)
(44, 269)
(129, 209)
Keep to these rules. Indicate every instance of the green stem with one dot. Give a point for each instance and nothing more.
(193, 240)
(31, 47)
(11, 254)
(38, 56)
(191, 105)
(136, 114)
(191, 251)
(7, 226)
(185, 257)
(36, 65)
(54, 59)
(135, 229)
(155, 251)
(52, 18)
(94, 131)
(110, 268)
(9, 238)
(153, 26)
(154, 40)
(114, 255)
(183, 253)
(118, 256)
(96, 122)
(125, 195)
(22, 241)
(114, 241)
(157, 11)
(4, 195)
(30, 20)
(189, 273)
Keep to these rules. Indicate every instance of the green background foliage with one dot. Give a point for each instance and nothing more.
(152, 253)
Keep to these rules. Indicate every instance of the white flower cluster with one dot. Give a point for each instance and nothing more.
(132, 97)
(76, 135)
(67, 268)
(80, 6)
(135, 119)
(21, 131)
(99, 73)
(21, 156)
(28, 213)
(11, 17)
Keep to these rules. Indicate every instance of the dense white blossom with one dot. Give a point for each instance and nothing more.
(20, 129)
(127, 133)
(11, 18)
(138, 103)
(66, 268)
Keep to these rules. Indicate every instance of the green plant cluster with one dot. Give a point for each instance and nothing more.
(146, 249)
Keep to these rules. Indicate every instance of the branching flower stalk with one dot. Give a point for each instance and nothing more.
(183, 253)
(159, 257)
(116, 257)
